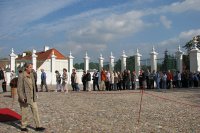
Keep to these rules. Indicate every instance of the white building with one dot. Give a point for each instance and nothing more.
(48, 59)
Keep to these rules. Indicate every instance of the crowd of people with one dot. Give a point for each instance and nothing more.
(113, 80)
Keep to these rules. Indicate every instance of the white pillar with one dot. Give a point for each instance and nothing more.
(179, 59)
(194, 54)
(71, 64)
(153, 58)
(34, 60)
(137, 62)
(53, 66)
(100, 62)
(123, 61)
(111, 64)
(86, 62)
(12, 60)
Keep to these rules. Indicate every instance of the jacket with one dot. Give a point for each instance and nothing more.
(24, 88)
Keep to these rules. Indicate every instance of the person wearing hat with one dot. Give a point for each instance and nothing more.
(43, 80)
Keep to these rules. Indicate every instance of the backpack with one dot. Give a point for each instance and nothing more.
(88, 77)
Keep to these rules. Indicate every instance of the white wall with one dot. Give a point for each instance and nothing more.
(46, 66)
(60, 64)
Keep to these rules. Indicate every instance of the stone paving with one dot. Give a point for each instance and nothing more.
(112, 112)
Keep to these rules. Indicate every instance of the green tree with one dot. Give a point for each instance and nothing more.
(28, 53)
(169, 62)
(190, 44)
(93, 65)
(130, 64)
(117, 66)
(186, 62)
(77, 66)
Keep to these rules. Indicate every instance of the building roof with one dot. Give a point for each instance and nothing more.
(44, 55)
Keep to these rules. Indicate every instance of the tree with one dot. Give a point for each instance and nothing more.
(190, 44)
(130, 64)
(93, 65)
(29, 53)
(186, 62)
(169, 62)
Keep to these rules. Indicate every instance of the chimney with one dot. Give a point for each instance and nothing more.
(24, 54)
(46, 48)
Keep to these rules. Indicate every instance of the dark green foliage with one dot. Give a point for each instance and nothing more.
(118, 65)
(79, 66)
(92, 65)
(186, 62)
(29, 53)
(169, 62)
(190, 44)
(130, 64)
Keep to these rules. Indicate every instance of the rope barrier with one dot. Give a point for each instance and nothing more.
(187, 104)
(140, 109)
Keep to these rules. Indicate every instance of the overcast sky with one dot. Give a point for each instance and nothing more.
(97, 26)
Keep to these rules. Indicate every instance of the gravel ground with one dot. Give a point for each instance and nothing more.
(173, 111)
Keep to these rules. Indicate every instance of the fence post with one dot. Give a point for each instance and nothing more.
(12, 60)
(123, 61)
(153, 59)
(111, 64)
(86, 62)
(179, 58)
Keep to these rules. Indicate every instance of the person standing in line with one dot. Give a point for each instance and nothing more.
(95, 78)
(115, 80)
(103, 79)
(72, 79)
(27, 97)
(133, 80)
(58, 81)
(111, 87)
(119, 84)
(169, 79)
(84, 80)
(179, 79)
(35, 77)
(148, 80)
(128, 80)
(76, 87)
(107, 82)
(88, 80)
(2, 78)
(64, 80)
(164, 80)
(158, 80)
(43, 80)
(12, 75)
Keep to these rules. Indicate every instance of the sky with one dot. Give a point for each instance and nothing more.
(98, 26)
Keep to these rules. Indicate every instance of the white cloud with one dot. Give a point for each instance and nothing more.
(177, 7)
(78, 48)
(188, 35)
(15, 14)
(166, 22)
(110, 28)
(186, 5)
(173, 43)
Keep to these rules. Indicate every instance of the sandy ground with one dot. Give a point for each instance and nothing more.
(173, 111)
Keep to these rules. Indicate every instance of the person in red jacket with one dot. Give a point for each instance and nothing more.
(169, 79)
(103, 79)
